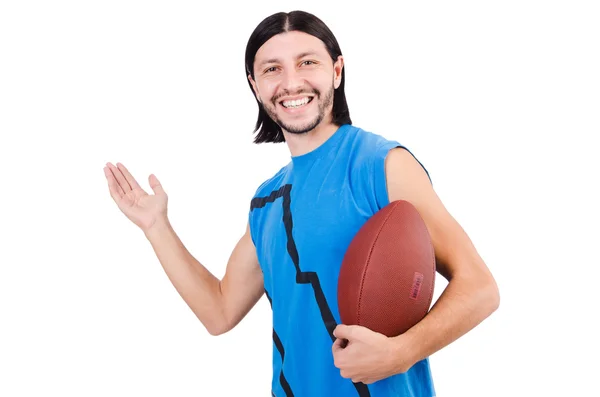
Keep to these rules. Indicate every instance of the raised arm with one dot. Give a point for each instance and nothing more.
(219, 304)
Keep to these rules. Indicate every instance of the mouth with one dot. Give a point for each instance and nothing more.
(296, 103)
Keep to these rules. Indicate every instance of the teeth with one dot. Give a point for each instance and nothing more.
(296, 103)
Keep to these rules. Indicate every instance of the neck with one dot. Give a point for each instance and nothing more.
(300, 144)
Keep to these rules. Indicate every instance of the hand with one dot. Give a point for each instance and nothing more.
(362, 355)
(141, 208)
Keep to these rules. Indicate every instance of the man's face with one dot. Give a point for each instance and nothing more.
(295, 80)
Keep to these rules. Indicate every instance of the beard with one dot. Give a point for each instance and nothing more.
(302, 127)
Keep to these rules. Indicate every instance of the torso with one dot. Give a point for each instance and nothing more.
(302, 220)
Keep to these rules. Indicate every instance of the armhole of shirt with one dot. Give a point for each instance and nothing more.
(250, 227)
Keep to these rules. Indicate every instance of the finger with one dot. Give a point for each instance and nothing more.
(338, 345)
(115, 190)
(337, 330)
(337, 342)
(120, 178)
(155, 185)
(130, 179)
(342, 331)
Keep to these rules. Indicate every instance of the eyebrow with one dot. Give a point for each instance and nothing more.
(277, 60)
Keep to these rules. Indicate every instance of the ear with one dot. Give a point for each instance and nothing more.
(253, 83)
(337, 71)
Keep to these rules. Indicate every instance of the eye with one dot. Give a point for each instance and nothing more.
(308, 62)
(271, 69)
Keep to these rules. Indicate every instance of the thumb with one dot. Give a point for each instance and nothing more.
(343, 331)
(155, 184)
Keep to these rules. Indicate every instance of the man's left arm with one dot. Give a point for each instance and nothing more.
(471, 294)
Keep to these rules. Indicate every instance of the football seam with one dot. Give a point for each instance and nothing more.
(362, 280)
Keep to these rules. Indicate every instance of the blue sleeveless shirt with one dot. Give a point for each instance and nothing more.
(301, 221)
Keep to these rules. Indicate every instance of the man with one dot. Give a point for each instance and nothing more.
(301, 221)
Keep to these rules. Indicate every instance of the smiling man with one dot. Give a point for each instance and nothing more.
(301, 221)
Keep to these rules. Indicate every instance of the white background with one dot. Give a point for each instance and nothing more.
(500, 101)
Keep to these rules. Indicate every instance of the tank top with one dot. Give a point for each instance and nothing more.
(302, 220)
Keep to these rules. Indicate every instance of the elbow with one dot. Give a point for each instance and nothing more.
(216, 323)
(483, 292)
(218, 329)
(219, 323)
(490, 297)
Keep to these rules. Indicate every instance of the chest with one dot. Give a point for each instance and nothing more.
(311, 221)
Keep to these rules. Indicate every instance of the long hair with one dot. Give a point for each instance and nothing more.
(269, 130)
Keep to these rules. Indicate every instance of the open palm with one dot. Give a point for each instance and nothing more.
(140, 207)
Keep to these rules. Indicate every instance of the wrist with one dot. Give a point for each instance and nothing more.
(158, 228)
(404, 353)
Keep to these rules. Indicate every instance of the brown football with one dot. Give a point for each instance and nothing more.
(387, 276)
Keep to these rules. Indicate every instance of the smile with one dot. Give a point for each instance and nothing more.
(294, 104)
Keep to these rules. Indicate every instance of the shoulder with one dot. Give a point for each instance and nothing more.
(372, 154)
(389, 155)
(371, 149)
(263, 195)
(272, 183)
(369, 142)
(373, 146)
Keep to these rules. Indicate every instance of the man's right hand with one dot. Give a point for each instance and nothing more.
(141, 208)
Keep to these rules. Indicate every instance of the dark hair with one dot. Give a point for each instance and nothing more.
(285, 22)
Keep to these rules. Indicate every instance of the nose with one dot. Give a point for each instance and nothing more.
(292, 81)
